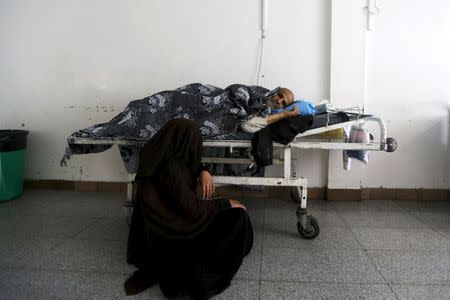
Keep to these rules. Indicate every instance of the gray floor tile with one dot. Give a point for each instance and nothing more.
(15, 252)
(30, 196)
(401, 239)
(381, 219)
(8, 210)
(326, 218)
(287, 236)
(26, 226)
(294, 290)
(434, 219)
(416, 267)
(253, 202)
(250, 268)
(153, 293)
(111, 229)
(109, 208)
(356, 206)
(68, 204)
(42, 284)
(343, 266)
(72, 203)
(51, 196)
(88, 255)
(240, 289)
(288, 217)
(280, 203)
(256, 216)
(258, 238)
(65, 244)
(322, 205)
(424, 206)
(419, 292)
(445, 232)
(7, 224)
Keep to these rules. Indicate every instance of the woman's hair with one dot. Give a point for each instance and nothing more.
(179, 139)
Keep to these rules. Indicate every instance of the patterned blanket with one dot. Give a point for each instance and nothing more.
(218, 112)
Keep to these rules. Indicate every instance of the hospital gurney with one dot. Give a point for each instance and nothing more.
(307, 225)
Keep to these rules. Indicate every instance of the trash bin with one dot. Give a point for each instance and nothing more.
(12, 163)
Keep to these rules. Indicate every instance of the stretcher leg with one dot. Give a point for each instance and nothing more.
(129, 203)
(307, 225)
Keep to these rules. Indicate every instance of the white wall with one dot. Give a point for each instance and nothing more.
(406, 79)
(66, 65)
(347, 86)
(69, 64)
(409, 84)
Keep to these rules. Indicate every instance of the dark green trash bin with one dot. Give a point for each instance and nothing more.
(13, 144)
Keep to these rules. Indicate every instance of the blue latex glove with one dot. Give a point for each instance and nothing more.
(305, 108)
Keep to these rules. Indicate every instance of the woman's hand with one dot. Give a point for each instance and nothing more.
(206, 184)
(235, 203)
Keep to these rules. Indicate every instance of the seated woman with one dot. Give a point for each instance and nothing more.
(282, 98)
(190, 246)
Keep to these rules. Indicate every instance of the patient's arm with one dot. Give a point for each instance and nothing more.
(282, 115)
(257, 123)
(254, 124)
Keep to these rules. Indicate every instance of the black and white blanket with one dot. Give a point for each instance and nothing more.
(218, 112)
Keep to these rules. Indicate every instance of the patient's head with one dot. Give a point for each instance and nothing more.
(282, 98)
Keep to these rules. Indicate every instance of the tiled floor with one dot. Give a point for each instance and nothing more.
(60, 244)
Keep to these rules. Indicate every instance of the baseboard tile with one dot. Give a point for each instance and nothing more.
(314, 193)
(85, 186)
(344, 195)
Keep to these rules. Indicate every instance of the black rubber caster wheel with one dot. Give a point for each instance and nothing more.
(313, 231)
(391, 144)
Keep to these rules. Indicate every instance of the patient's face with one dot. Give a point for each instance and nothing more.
(280, 100)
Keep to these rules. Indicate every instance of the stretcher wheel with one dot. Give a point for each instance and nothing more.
(312, 232)
(391, 144)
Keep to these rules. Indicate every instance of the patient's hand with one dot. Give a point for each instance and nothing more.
(206, 184)
(282, 115)
(293, 112)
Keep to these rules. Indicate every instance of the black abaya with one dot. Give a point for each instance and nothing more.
(190, 246)
(199, 267)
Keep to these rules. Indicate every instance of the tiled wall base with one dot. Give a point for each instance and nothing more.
(313, 193)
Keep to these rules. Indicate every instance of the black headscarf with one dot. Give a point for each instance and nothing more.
(178, 139)
(166, 183)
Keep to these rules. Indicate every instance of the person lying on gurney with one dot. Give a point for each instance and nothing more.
(282, 105)
(218, 112)
(283, 110)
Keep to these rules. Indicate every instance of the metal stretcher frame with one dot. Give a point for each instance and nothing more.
(307, 225)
